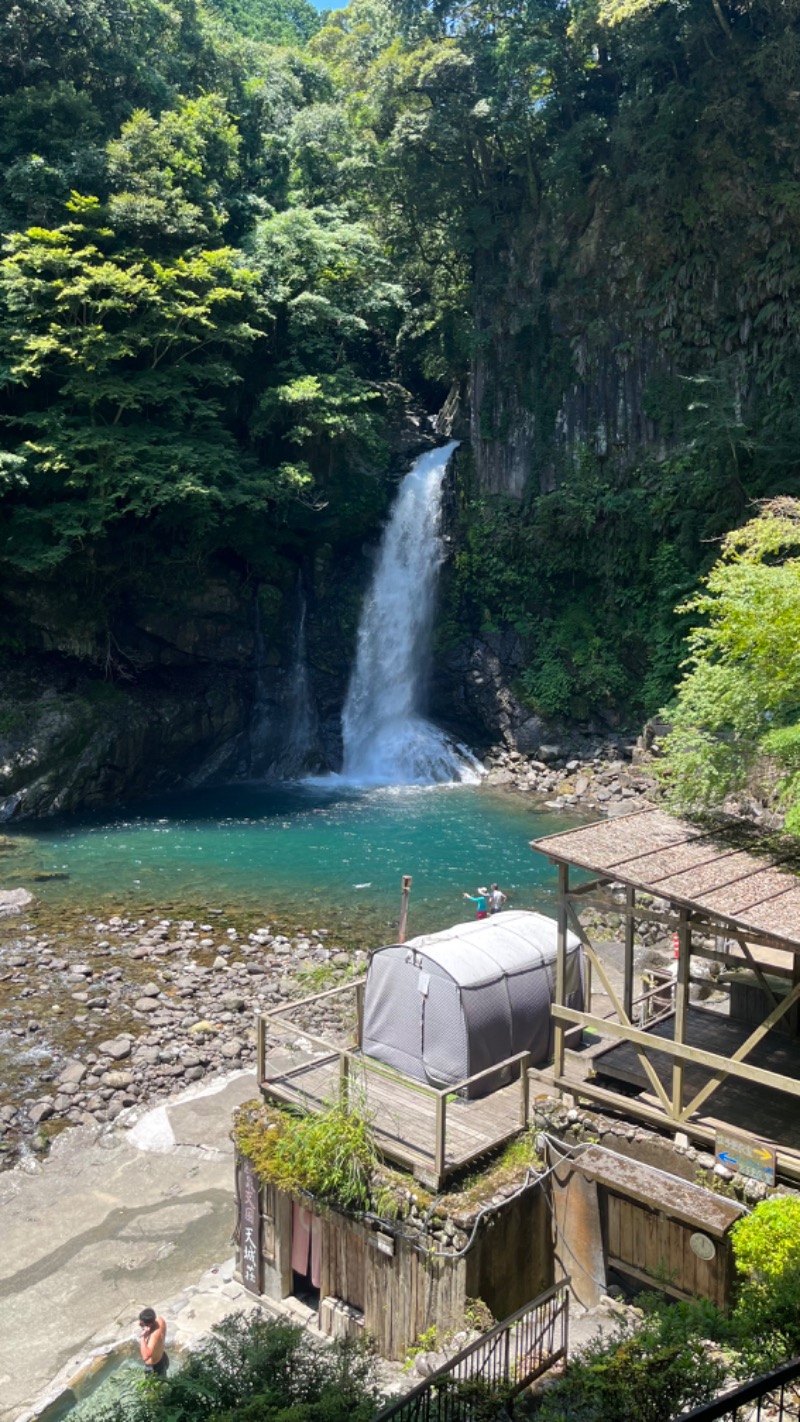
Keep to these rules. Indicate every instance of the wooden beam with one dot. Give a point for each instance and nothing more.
(315, 997)
(581, 890)
(743, 1050)
(714, 956)
(618, 1030)
(630, 929)
(788, 1162)
(525, 1090)
(681, 1009)
(642, 1277)
(714, 924)
(727, 928)
(440, 1136)
(648, 915)
(620, 1010)
(757, 970)
(561, 964)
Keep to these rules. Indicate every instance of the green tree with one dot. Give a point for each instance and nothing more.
(279, 22)
(171, 177)
(122, 370)
(740, 694)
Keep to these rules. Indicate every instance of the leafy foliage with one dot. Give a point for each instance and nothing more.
(766, 1251)
(592, 210)
(740, 694)
(289, 22)
(653, 1373)
(260, 1369)
(330, 1154)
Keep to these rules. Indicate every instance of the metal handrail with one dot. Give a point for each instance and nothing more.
(492, 1354)
(770, 1393)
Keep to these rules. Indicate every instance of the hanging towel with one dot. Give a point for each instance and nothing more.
(301, 1238)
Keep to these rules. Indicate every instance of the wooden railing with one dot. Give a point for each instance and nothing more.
(347, 1062)
(496, 1367)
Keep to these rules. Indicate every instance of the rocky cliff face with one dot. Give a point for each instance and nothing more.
(541, 388)
(185, 680)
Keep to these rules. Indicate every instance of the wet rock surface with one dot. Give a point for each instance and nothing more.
(607, 776)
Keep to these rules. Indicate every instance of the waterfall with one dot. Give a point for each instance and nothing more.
(283, 725)
(387, 740)
(299, 713)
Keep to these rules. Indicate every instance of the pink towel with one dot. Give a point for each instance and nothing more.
(301, 1237)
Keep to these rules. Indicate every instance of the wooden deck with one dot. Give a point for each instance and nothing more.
(403, 1113)
(742, 1105)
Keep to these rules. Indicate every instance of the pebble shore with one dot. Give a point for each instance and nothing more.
(123, 1011)
(147, 1007)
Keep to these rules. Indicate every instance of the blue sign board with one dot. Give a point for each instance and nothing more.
(745, 1156)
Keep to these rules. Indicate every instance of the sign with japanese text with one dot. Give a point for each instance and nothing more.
(746, 1156)
(250, 1227)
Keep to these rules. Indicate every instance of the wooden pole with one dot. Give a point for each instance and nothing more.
(359, 1013)
(561, 966)
(681, 1008)
(261, 1047)
(441, 1137)
(525, 1090)
(627, 987)
(406, 890)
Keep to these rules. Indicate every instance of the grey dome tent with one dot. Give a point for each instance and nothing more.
(449, 1005)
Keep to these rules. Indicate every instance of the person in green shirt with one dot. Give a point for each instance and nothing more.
(480, 900)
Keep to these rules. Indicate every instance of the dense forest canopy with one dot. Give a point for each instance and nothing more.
(239, 239)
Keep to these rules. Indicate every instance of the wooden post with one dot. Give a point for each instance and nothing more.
(794, 1019)
(261, 1046)
(344, 1079)
(681, 1008)
(441, 1136)
(359, 1013)
(627, 986)
(406, 890)
(561, 966)
(525, 1090)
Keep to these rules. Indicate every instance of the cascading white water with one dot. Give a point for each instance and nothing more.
(387, 740)
(299, 710)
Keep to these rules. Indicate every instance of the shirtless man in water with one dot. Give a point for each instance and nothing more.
(152, 1341)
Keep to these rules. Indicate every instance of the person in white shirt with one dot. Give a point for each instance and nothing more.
(496, 899)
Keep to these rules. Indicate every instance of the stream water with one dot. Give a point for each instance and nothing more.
(319, 854)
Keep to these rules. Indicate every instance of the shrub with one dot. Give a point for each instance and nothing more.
(650, 1375)
(330, 1154)
(766, 1248)
(262, 1370)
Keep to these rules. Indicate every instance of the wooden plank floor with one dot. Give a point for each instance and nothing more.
(404, 1118)
(744, 1105)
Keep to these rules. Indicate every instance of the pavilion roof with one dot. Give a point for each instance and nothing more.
(692, 865)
